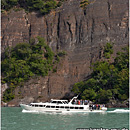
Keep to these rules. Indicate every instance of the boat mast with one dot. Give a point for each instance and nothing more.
(73, 99)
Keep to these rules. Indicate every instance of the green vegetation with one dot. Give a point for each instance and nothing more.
(43, 6)
(108, 80)
(108, 50)
(24, 61)
(84, 3)
(61, 53)
(9, 93)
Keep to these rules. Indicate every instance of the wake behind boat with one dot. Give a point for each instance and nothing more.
(61, 106)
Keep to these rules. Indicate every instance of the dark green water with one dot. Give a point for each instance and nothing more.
(14, 119)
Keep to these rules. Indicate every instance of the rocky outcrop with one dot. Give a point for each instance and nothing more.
(81, 33)
(118, 104)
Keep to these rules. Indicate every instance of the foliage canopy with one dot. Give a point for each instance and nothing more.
(108, 80)
(24, 61)
(43, 6)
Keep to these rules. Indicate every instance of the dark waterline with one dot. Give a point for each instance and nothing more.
(14, 119)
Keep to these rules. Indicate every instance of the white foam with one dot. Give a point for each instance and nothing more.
(114, 111)
(34, 111)
(26, 111)
(119, 111)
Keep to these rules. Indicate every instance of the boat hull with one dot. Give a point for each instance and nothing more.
(39, 109)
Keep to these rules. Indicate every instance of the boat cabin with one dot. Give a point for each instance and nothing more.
(59, 101)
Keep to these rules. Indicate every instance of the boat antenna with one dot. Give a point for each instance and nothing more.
(77, 96)
(73, 99)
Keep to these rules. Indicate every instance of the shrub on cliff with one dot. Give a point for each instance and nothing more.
(84, 3)
(108, 50)
(24, 61)
(108, 80)
(8, 4)
(43, 6)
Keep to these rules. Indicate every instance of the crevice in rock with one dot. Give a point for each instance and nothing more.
(48, 91)
(80, 31)
(29, 26)
(70, 30)
(92, 30)
(76, 31)
(47, 29)
(85, 12)
(58, 26)
(58, 33)
(30, 32)
(106, 27)
(109, 8)
(91, 58)
(64, 23)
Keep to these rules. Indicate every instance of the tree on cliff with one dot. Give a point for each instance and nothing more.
(108, 80)
(8, 4)
(24, 61)
(43, 6)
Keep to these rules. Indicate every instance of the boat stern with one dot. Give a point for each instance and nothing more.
(104, 108)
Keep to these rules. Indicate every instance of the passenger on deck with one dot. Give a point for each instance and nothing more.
(78, 102)
(75, 101)
(81, 102)
(97, 106)
(85, 102)
(93, 107)
(90, 107)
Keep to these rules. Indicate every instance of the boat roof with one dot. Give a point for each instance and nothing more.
(58, 100)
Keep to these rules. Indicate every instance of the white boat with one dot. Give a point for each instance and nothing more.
(61, 106)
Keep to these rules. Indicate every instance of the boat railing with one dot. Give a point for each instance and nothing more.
(73, 99)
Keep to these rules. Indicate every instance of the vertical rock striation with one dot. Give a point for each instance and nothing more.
(81, 33)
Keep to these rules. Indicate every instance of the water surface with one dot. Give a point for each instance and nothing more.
(15, 119)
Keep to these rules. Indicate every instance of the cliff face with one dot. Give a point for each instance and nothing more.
(81, 33)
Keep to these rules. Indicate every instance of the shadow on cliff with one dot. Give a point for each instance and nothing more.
(68, 96)
(39, 15)
(71, 94)
(87, 77)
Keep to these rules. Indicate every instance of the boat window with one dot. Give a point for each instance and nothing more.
(66, 102)
(71, 107)
(47, 106)
(36, 105)
(61, 106)
(57, 106)
(76, 107)
(41, 106)
(81, 108)
(52, 106)
(66, 107)
(33, 105)
(53, 102)
(59, 102)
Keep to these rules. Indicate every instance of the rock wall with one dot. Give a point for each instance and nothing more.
(81, 33)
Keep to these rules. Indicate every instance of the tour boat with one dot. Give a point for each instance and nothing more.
(61, 106)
